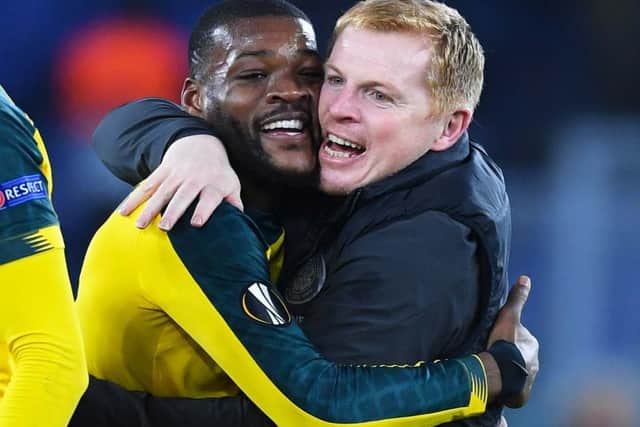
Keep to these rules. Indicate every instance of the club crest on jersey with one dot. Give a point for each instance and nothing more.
(264, 305)
(307, 282)
(22, 189)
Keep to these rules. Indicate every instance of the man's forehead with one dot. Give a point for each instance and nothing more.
(267, 33)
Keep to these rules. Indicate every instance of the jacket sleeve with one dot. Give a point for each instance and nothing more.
(411, 284)
(132, 139)
(240, 321)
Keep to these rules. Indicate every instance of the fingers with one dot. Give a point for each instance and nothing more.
(209, 200)
(518, 296)
(159, 200)
(508, 327)
(185, 194)
(137, 197)
(234, 199)
(196, 166)
(141, 193)
(509, 316)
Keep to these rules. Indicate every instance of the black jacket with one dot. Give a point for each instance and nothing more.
(413, 267)
(409, 268)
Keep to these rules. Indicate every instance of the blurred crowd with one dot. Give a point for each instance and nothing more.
(560, 113)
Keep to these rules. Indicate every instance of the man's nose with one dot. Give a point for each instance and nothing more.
(287, 89)
(343, 106)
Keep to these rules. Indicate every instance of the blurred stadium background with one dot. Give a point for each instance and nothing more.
(560, 113)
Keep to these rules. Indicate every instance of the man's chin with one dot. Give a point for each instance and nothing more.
(297, 178)
(334, 188)
(301, 173)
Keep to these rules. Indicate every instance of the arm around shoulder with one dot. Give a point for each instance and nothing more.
(244, 327)
(132, 139)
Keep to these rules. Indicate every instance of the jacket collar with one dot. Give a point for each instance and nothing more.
(421, 170)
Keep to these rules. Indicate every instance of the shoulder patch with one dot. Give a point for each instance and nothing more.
(22, 189)
(261, 303)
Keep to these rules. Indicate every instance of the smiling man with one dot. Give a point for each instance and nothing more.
(406, 264)
(376, 115)
(229, 85)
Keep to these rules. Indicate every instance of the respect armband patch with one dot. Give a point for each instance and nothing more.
(22, 189)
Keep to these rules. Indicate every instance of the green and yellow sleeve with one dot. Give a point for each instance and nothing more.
(42, 352)
(42, 366)
(216, 286)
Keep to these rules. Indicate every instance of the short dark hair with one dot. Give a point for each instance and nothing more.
(226, 12)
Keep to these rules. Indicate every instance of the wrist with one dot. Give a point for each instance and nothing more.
(189, 135)
(512, 368)
(191, 131)
(492, 371)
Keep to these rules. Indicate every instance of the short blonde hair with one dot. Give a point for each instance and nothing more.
(456, 70)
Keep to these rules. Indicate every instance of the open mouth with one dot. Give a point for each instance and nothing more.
(341, 148)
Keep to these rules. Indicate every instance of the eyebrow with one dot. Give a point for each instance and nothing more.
(328, 65)
(258, 53)
(310, 52)
(266, 53)
(367, 83)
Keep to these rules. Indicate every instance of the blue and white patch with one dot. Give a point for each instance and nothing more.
(23, 189)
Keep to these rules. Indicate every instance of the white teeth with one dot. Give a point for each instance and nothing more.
(344, 142)
(333, 153)
(284, 124)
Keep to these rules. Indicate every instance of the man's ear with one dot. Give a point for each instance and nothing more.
(456, 124)
(191, 97)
